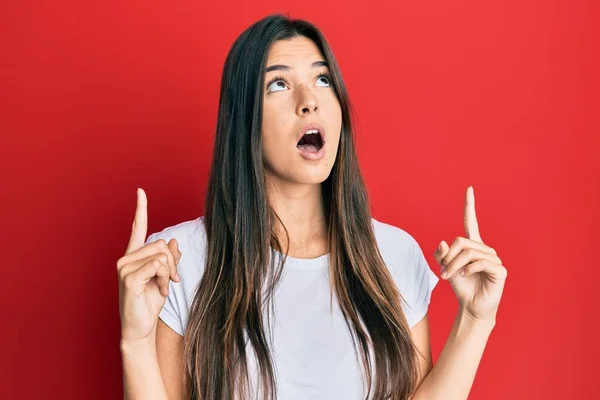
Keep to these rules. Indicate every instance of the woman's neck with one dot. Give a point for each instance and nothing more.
(300, 208)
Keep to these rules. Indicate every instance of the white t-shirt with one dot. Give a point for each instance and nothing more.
(313, 354)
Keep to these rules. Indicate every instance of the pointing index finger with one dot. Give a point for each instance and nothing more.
(140, 223)
(471, 225)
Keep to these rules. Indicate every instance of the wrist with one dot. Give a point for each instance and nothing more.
(137, 346)
(467, 318)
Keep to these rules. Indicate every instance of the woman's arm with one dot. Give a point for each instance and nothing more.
(169, 347)
(140, 303)
(144, 361)
(452, 376)
(477, 277)
(141, 374)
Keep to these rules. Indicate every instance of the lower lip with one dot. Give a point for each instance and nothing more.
(312, 156)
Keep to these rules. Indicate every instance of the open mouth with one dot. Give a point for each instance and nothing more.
(311, 141)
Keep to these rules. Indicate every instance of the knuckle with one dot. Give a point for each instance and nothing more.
(162, 272)
(120, 262)
(122, 274)
(128, 281)
(162, 243)
(163, 258)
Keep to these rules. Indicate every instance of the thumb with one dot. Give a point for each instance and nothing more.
(174, 249)
(139, 228)
(441, 251)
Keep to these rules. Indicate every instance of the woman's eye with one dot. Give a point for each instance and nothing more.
(279, 84)
(323, 79)
(276, 86)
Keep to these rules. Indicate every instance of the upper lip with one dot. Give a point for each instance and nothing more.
(312, 125)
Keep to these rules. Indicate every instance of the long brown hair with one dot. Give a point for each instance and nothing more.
(227, 309)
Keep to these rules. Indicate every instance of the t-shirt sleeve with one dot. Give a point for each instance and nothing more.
(424, 283)
(170, 313)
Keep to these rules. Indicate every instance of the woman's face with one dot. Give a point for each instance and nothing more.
(302, 118)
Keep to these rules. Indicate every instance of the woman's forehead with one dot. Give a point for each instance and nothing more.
(294, 52)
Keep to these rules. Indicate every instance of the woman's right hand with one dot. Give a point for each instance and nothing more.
(144, 274)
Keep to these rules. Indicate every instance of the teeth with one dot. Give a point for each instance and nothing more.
(312, 131)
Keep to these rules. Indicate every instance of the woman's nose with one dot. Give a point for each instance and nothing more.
(308, 101)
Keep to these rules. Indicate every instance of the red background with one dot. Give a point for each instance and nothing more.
(99, 99)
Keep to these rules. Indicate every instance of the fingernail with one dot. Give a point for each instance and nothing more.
(440, 247)
(444, 274)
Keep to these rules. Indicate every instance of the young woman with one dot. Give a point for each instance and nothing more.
(287, 287)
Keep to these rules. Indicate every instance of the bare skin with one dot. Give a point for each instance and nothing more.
(294, 183)
(144, 274)
(152, 352)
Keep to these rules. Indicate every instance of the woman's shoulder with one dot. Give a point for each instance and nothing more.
(400, 251)
(409, 268)
(191, 240)
(190, 235)
(393, 240)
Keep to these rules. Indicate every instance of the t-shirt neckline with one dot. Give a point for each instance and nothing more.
(305, 263)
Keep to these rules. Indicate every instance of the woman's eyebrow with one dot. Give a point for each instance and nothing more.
(280, 67)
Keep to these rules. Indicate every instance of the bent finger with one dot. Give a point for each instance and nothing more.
(159, 246)
(441, 251)
(153, 268)
(462, 243)
(468, 256)
(174, 249)
(491, 268)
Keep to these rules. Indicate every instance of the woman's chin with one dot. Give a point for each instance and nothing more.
(313, 175)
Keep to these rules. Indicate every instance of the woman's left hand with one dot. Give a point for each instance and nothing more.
(474, 269)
